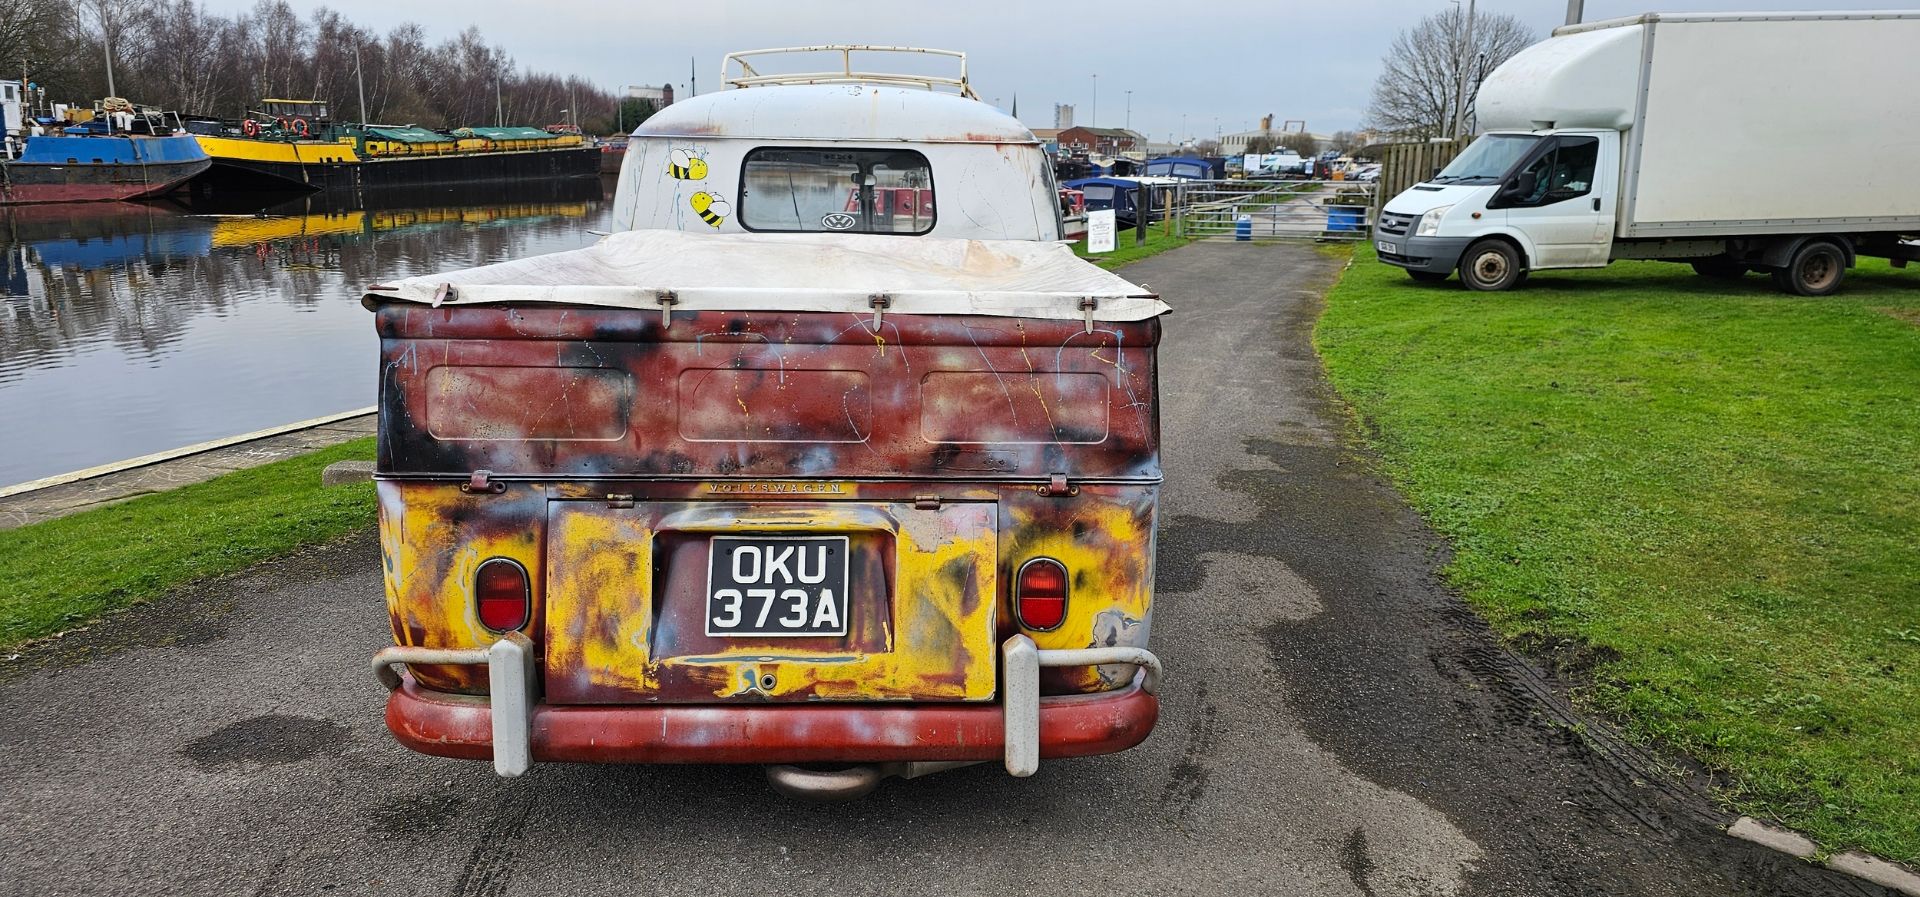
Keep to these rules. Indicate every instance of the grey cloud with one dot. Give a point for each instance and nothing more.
(1221, 65)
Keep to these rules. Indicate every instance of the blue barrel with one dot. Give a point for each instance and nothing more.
(1243, 228)
(1346, 218)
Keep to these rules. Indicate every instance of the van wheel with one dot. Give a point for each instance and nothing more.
(1490, 266)
(1428, 276)
(1815, 270)
(1722, 268)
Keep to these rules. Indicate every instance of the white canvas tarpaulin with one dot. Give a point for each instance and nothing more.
(799, 272)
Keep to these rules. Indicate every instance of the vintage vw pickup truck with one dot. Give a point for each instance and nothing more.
(847, 502)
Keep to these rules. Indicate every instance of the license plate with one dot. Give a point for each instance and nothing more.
(777, 585)
(1386, 247)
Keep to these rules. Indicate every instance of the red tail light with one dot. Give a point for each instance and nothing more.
(500, 589)
(1040, 594)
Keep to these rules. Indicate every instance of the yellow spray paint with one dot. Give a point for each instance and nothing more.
(939, 646)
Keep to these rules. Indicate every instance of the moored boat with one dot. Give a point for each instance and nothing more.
(90, 168)
(293, 144)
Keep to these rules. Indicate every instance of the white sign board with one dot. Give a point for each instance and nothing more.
(1100, 229)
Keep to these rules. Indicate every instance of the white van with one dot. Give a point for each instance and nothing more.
(1676, 137)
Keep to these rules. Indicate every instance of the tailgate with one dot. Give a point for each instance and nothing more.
(709, 601)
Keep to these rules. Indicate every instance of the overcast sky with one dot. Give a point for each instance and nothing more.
(1214, 65)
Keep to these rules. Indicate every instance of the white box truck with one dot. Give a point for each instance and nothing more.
(1736, 142)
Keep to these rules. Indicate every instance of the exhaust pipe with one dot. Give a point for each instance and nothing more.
(848, 783)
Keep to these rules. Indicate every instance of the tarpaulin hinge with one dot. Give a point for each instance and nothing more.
(666, 299)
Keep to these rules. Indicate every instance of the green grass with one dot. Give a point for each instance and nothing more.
(1702, 499)
(1158, 241)
(65, 572)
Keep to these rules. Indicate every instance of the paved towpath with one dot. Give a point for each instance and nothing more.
(1335, 723)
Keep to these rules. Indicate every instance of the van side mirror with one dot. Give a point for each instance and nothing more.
(1524, 185)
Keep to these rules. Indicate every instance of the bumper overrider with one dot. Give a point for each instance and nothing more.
(513, 727)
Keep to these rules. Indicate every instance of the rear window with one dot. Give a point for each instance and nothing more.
(861, 191)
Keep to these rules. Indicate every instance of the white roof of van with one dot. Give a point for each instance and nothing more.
(799, 272)
(836, 112)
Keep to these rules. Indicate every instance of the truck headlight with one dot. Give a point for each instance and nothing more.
(1430, 222)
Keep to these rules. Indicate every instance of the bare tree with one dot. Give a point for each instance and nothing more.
(111, 17)
(179, 66)
(30, 32)
(1301, 142)
(1417, 93)
(1344, 141)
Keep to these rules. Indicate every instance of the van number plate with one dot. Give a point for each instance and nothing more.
(1386, 247)
(777, 585)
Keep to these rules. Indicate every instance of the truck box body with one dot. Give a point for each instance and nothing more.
(1735, 124)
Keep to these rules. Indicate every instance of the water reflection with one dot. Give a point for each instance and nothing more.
(134, 328)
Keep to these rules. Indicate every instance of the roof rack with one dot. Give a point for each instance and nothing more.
(747, 76)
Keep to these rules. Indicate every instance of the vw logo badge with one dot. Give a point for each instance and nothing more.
(838, 221)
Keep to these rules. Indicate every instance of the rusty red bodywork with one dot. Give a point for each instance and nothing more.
(582, 393)
(458, 726)
(614, 444)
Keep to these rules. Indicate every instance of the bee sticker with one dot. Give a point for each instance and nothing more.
(683, 165)
(711, 209)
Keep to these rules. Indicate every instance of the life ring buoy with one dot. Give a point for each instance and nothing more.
(300, 126)
(250, 128)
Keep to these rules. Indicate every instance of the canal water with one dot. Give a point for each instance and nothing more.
(127, 329)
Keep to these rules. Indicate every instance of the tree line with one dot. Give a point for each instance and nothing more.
(178, 55)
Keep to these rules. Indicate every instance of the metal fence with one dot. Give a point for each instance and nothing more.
(1267, 210)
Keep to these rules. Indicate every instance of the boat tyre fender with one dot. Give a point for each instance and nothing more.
(300, 126)
(250, 128)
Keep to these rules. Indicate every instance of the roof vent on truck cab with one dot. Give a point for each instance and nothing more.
(747, 76)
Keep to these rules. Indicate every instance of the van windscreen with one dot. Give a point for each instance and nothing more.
(1488, 159)
(870, 191)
